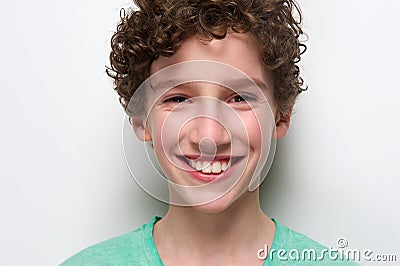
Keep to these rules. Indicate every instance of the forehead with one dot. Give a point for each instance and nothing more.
(239, 50)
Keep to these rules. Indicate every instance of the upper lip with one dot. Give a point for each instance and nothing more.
(208, 157)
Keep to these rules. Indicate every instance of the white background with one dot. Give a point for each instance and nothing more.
(64, 182)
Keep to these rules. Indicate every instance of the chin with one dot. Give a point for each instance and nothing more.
(219, 205)
(212, 208)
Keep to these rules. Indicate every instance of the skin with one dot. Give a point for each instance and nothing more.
(229, 230)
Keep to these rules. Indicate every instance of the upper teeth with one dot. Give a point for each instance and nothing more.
(214, 167)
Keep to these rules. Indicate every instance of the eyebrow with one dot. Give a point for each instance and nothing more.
(231, 83)
(245, 82)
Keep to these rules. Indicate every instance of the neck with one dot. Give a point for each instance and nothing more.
(242, 225)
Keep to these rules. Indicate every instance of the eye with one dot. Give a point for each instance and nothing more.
(241, 98)
(175, 99)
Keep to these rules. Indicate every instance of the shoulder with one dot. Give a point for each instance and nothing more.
(294, 248)
(287, 238)
(136, 247)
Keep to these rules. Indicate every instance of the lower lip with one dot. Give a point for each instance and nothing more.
(207, 178)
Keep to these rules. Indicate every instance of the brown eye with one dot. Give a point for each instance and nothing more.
(175, 99)
(242, 98)
(237, 99)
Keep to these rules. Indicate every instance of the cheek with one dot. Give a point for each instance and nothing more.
(162, 148)
(260, 127)
(165, 139)
(252, 125)
(155, 127)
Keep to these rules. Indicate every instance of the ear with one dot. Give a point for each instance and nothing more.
(141, 131)
(282, 125)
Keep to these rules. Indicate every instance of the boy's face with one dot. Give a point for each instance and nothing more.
(206, 135)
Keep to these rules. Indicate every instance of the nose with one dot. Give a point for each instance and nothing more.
(208, 134)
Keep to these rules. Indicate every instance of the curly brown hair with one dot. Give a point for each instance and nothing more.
(159, 27)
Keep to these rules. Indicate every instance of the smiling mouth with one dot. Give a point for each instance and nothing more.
(215, 166)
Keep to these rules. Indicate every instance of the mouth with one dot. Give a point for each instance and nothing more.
(214, 166)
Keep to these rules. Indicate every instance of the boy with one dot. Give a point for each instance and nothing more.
(211, 84)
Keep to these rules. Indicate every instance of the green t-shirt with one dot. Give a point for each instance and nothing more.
(138, 248)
